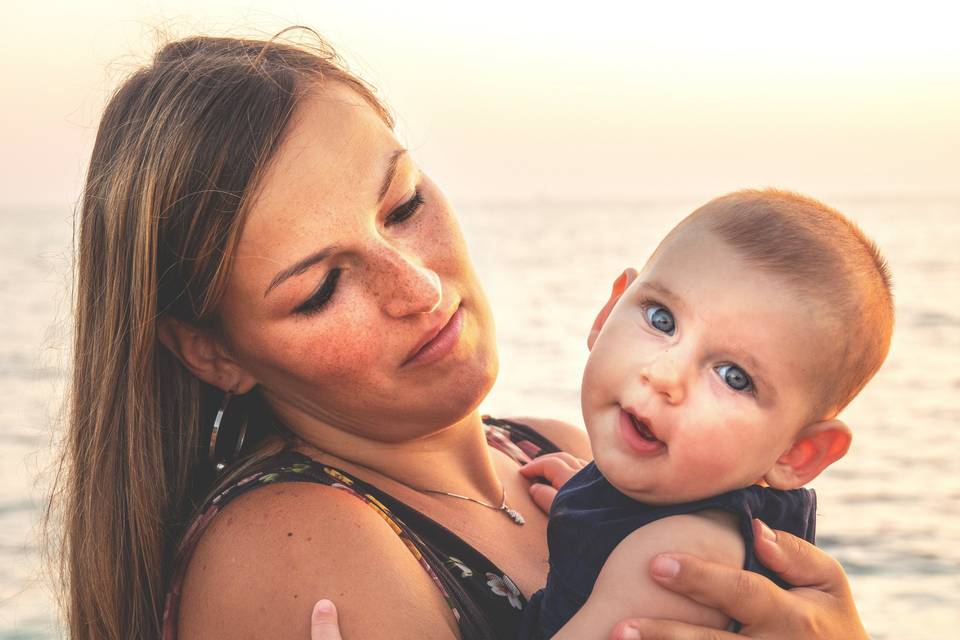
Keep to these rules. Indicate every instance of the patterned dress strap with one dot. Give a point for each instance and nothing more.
(516, 439)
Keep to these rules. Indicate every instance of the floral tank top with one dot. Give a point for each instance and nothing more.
(483, 599)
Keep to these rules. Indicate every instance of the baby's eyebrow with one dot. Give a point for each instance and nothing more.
(665, 291)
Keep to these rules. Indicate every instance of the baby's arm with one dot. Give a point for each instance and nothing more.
(624, 588)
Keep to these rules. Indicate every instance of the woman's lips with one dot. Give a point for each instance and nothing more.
(636, 433)
(440, 344)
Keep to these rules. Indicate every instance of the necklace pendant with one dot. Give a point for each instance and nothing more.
(513, 515)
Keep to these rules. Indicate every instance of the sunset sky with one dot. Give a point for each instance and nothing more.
(546, 100)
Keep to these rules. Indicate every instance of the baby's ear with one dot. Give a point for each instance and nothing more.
(619, 286)
(817, 447)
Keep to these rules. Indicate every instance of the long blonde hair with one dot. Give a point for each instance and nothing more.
(178, 153)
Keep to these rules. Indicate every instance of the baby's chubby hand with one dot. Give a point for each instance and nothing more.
(555, 469)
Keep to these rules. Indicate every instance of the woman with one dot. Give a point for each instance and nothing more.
(262, 268)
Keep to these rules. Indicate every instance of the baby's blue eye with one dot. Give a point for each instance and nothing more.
(660, 318)
(735, 377)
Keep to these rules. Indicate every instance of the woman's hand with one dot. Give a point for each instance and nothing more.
(821, 607)
(555, 468)
(323, 622)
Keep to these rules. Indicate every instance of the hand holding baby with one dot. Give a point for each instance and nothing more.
(822, 608)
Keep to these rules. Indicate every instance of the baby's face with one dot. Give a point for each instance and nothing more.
(702, 375)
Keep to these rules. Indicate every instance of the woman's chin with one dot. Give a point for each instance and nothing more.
(473, 389)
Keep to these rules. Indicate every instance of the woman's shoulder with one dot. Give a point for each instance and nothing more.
(270, 554)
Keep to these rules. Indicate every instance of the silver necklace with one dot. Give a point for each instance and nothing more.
(513, 514)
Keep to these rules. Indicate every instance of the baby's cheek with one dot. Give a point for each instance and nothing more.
(717, 462)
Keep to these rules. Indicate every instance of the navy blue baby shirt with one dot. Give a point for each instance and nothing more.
(590, 517)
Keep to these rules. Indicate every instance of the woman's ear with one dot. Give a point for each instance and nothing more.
(619, 286)
(202, 353)
(817, 447)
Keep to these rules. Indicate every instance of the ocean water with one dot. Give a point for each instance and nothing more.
(888, 511)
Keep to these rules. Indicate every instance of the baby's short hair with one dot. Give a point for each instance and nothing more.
(823, 256)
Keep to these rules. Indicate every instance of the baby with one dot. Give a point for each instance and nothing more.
(710, 397)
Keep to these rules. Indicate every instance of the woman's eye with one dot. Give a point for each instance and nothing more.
(660, 318)
(735, 377)
(321, 296)
(405, 210)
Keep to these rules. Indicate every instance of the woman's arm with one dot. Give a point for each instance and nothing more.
(821, 608)
(271, 554)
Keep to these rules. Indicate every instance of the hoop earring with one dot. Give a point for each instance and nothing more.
(212, 451)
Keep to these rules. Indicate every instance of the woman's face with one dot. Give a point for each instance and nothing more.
(352, 301)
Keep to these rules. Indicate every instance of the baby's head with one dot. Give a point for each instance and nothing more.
(725, 362)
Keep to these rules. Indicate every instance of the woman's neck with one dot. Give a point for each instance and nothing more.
(455, 459)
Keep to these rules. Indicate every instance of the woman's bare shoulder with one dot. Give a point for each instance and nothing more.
(272, 553)
(570, 438)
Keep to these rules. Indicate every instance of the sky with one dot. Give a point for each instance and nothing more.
(587, 101)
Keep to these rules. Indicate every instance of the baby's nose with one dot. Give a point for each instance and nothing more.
(666, 375)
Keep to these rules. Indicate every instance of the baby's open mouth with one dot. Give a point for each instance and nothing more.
(642, 429)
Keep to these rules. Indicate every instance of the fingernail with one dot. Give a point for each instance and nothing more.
(767, 532)
(630, 633)
(665, 567)
(323, 607)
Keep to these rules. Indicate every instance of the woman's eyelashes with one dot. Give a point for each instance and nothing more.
(319, 299)
(405, 210)
(735, 378)
(659, 317)
(321, 296)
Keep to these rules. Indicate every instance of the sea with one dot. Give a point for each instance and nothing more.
(889, 511)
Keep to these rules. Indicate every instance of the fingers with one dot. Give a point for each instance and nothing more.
(535, 466)
(556, 468)
(666, 630)
(797, 561)
(323, 622)
(543, 496)
(742, 595)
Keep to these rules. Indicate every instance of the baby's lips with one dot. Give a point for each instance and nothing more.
(642, 423)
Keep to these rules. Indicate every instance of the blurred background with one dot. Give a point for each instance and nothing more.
(570, 138)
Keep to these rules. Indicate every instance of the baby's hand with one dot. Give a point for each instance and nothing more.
(556, 469)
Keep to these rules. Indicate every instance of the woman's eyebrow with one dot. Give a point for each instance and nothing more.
(300, 267)
(391, 172)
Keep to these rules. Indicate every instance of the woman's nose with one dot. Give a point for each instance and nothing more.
(407, 287)
(666, 375)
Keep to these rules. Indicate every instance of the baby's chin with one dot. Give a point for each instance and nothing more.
(655, 496)
(641, 485)
(654, 488)
(664, 497)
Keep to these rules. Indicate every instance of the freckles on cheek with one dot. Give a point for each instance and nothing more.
(324, 357)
